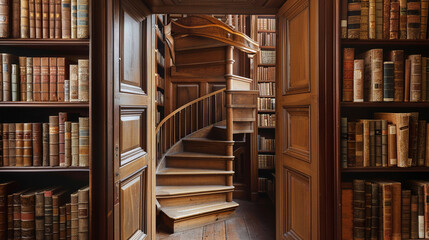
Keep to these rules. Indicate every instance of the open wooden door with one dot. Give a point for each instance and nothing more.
(303, 60)
(133, 121)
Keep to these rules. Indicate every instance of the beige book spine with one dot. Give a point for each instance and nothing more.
(392, 145)
(358, 80)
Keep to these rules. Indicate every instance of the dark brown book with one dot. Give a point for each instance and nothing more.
(413, 144)
(83, 213)
(12, 144)
(348, 61)
(58, 199)
(5, 189)
(386, 210)
(32, 18)
(67, 143)
(358, 209)
(368, 209)
(7, 76)
(347, 210)
(17, 214)
(403, 19)
(53, 141)
(384, 141)
(394, 20)
(45, 19)
(53, 79)
(28, 215)
(414, 228)
(343, 17)
(364, 19)
(57, 18)
(407, 80)
(29, 72)
(353, 19)
(38, 18)
(5, 144)
(37, 144)
(48, 213)
(63, 223)
(418, 189)
(413, 19)
(51, 18)
(74, 226)
(378, 143)
(24, 23)
(61, 138)
(397, 57)
(28, 145)
(44, 78)
(23, 77)
(37, 79)
(396, 210)
(421, 142)
(359, 144)
(424, 19)
(61, 72)
(19, 144)
(406, 213)
(415, 78)
(16, 16)
(375, 209)
(4, 18)
(10, 216)
(66, 18)
(351, 144)
(1, 145)
(45, 144)
(68, 221)
(40, 215)
(386, 19)
(427, 146)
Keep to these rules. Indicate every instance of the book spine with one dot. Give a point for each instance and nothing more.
(74, 83)
(413, 19)
(23, 77)
(379, 19)
(44, 79)
(67, 143)
(15, 81)
(27, 216)
(371, 19)
(16, 216)
(359, 144)
(386, 19)
(53, 141)
(427, 146)
(397, 57)
(61, 138)
(5, 144)
(421, 213)
(40, 216)
(392, 145)
(388, 82)
(358, 80)
(28, 145)
(358, 209)
(66, 90)
(66, 18)
(407, 80)
(1, 145)
(55, 217)
(10, 216)
(424, 19)
(83, 213)
(348, 74)
(51, 18)
(344, 142)
(403, 19)
(82, 19)
(421, 143)
(45, 19)
(396, 211)
(424, 79)
(15, 19)
(378, 144)
(416, 78)
(75, 144)
(366, 143)
(372, 143)
(351, 144)
(406, 214)
(83, 78)
(73, 18)
(427, 78)
(414, 231)
(37, 144)
(61, 71)
(32, 19)
(29, 71)
(403, 133)
(48, 214)
(57, 19)
(38, 18)
(36, 79)
(368, 209)
(376, 91)
(364, 20)
(74, 216)
(45, 144)
(375, 209)
(343, 21)
(4, 19)
(6, 76)
(19, 144)
(68, 221)
(83, 142)
(384, 142)
(394, 20)
(63, 222)
(353, 19)
(24, 19)
(387, 210)
(53, 79)
(12, 144)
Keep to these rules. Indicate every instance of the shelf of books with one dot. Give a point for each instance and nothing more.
(382, 117)
(160, 51)
(265, 33)
(45, 124)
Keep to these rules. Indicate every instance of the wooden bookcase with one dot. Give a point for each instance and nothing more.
(366, 110)
(160, 56)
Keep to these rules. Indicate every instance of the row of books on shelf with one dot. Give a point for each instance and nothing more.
(43, 213)
(158, 118)
(57, 143)
(266, 24)
(159, 97)
(160, 58)
(266, 103)
(389, 140)
(385, 209)
(384, 19)
(265, 161)
(267, 39)
(267, 57)
(266, 120)
(266, 73)
(44, 19)
(265, 185)
(159, 81)
(368, 78)
(265, 144)
(43, 79)
(267, 89)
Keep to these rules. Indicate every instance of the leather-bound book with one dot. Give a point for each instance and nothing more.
(67, 143)
(397, 57)
(28, 145)
(82, 19)
(1, 145)
(358, 209)
(48, 213)
(37, 79)
(74, 83)
(74, 215)
(378, 143)
(384, 141)
(375, 210)
(66, 90)
(58, 199)
(379, 19)
(413, 19)
(57, 18)
(5, 144)
(75, 144)
(19, 144)
(364, 19)
(83, 142)
(61, 72)
(23, 77)
(402, 19)
(38, 18)
(61, 138)
(83, 213)
(421, 143)
(1, 80)
(416, 78)
(40, 215)
(347, 210)
(372, 143)
(51, 18)
(53, 79)
(73, 18)
(343, 17)
(348, 75)
(10, 216)
(394, 20)
(44, 78)
(406, 213)
(351, 144)
(386, 19)
(4, 19)
(68, 221)
(83, 78)
(37, 144)
(407, 80)
(66, 18)
(427, 146)
(16, 19)
(28, 215)
(5, 189)
(63, 223)
(359, 144)
(418, 189)
(29, 72)
(353, 19)
(392, 145)
(427, 78)
(32, 19)
(358, 94)
(17, 214)
(414, 127)
(424, 83)
(45, 144)
(386, 210)
(6, 71)
(373, 79)
(24, 23)
(368, 209)
(53, 141)
(396, 210)
(414, 228)
(12, 144)
(45, 19)
(15, 82)
(424, 19)
(371, 13)
(344, 142)
(388, 82)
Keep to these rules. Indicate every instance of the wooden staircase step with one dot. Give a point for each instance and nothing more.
(191, 177)
(192, 171)
(206, 145)
(179, 191)
(196, 155)
(235, 131)
(197, 160)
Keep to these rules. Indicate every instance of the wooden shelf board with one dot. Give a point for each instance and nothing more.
(45, 104)
(267, 111)
(384, 42)
(266, 31)
(266, 127)
(384, 169)
(265, 81)
(43, 169)
(45, 42)
(266, 96)
(268, 47)
(383, 104)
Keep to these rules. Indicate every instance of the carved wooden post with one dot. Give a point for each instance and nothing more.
(229, 120)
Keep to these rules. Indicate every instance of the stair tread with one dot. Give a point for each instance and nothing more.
(180, 190)
(206, 140)
(197, 155)
(180, 212)
(191, 171)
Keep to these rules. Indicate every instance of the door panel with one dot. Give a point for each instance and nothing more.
(133, 121)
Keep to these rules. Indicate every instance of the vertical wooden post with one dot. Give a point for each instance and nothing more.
(229, 120)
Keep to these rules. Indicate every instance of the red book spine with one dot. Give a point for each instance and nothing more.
(386, 19)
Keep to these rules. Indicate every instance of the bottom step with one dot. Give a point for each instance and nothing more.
(187, 217)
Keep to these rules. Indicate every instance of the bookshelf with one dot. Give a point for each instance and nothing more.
(160, 54)
(354, 111)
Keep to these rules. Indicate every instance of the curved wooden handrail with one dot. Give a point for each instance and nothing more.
(185, 106)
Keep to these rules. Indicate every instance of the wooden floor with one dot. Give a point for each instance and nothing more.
(252, 221)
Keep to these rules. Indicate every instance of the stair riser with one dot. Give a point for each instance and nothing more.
(206, 147)
(215, 70)
(182, 180)
(243, 113)
(243, 99)
(242, 126)
(201, 55)
(192, 200)
(240, 85)
(218, 164)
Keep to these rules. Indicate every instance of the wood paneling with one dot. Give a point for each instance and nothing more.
(297, 132)
(184, 93)
(132, 134)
